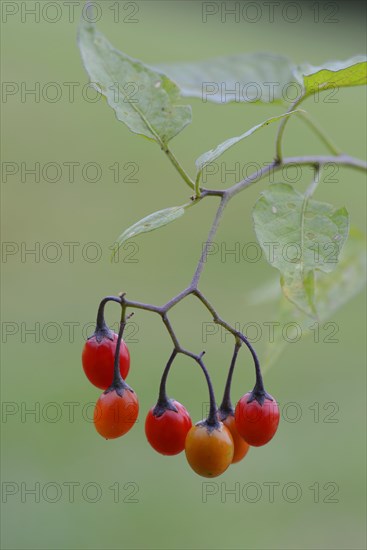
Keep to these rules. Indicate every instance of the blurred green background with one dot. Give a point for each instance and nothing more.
(161, 503)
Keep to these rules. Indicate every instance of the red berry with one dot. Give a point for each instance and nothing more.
(257, 422)
(98, 359)
(166, 431)
(116, 412)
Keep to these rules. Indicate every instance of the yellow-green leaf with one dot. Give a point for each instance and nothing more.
(334, 74)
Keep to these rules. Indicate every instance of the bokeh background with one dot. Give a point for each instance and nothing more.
(125, 495)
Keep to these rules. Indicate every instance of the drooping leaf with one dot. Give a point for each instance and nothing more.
(334, 74)
(298, 236)
(145, 100)
(332, 291)
(243, 77)
(298, 287)
(213, 154)
(150, 223)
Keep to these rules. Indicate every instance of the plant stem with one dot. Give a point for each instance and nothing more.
(226, 405)
(171, 332)
(281, 128)
(213, 230)
(117, 378)
(177, 299)
(225, 195)
(212, 419)
(101, 323)
(314, 184)
(197, 186)
(259, 379)
(179, 168)
(141, 305)
(314, 160)
(320, 132)
(317, 160)
(228, 327)
(163, 399)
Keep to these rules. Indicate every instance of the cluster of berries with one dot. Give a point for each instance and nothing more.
(211, 445)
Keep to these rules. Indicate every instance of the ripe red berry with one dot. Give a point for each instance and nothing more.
(257, 418)
(116, 412)
(98, 359)
(166, 427)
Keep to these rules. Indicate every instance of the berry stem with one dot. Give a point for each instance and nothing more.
(259, 384)
(212, 419)
(163, 400)
(101, 327)
(226, 406)
(118, 383)
(225, 196)
(117, 378)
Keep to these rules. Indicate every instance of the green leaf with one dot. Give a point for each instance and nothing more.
(255, 77)
(210, 156)
(146, 101)
(298, 236)
(334, 74)
(333, 290)
(150, 223)
(298, 287)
